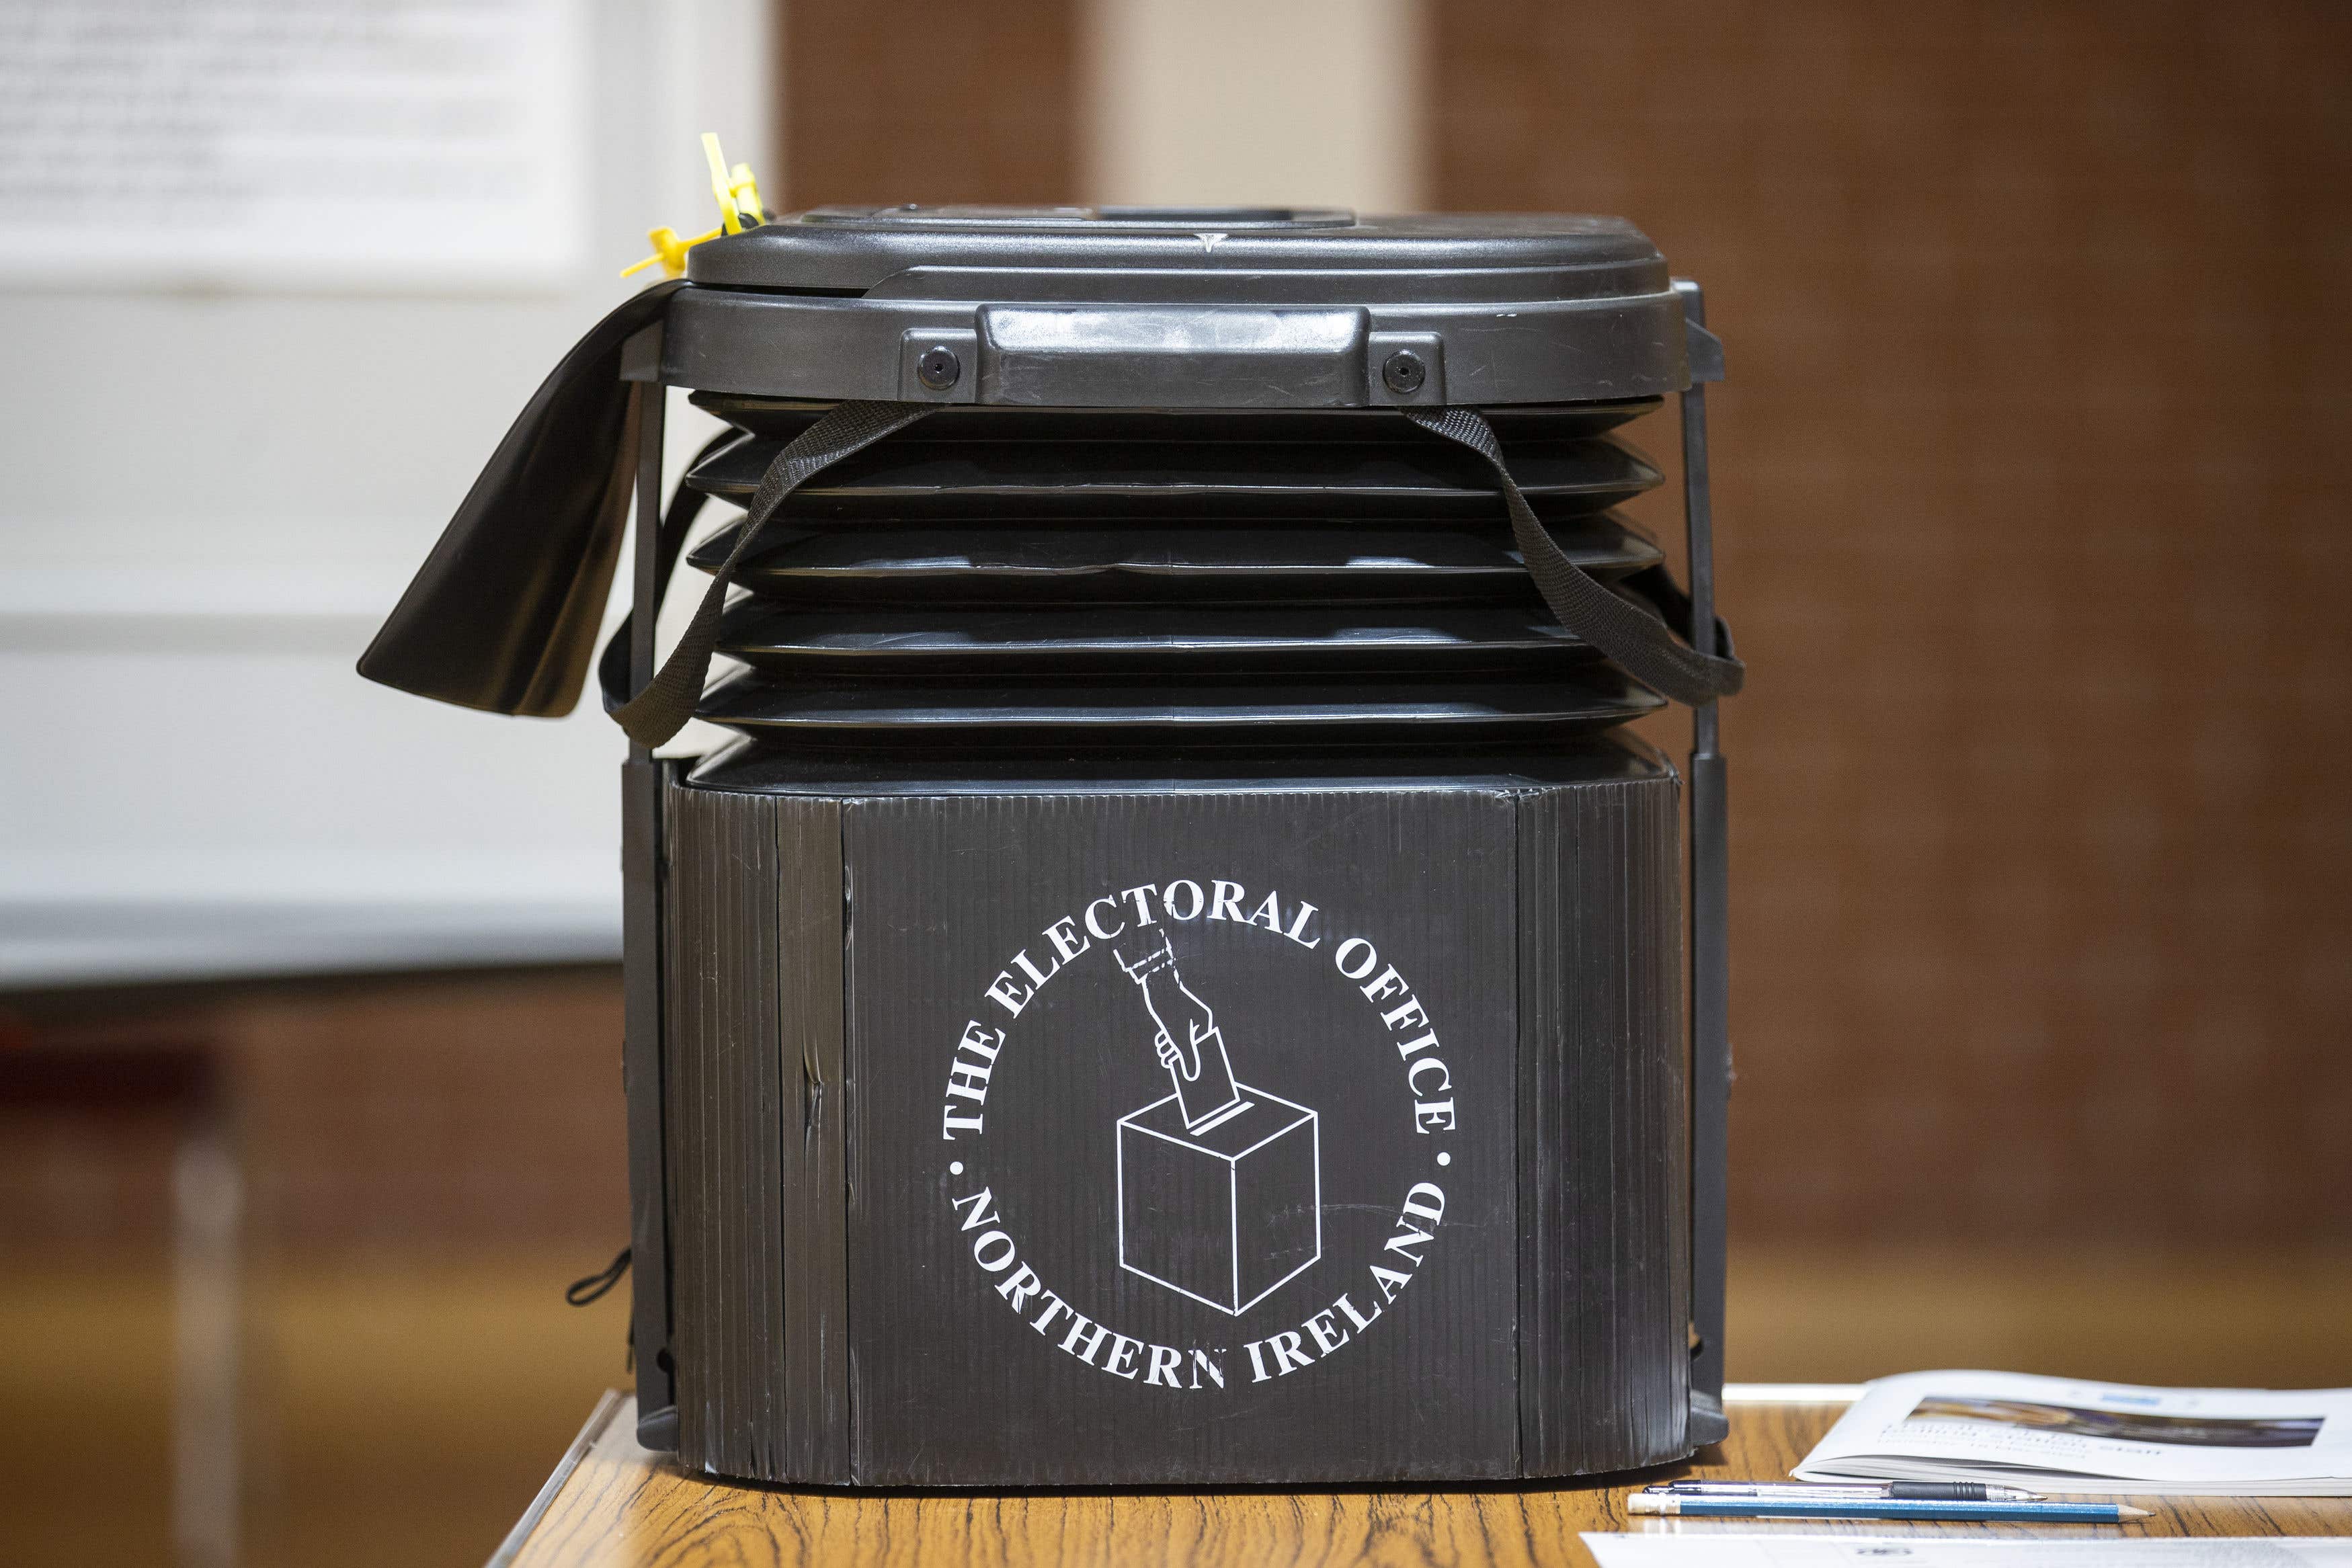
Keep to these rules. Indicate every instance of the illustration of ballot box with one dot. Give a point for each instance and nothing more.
(1224, 1215)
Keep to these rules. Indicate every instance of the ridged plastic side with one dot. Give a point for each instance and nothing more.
(1168, 581)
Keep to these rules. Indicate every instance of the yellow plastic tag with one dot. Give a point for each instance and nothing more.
(730, 218)
(738, 193)
(745, 188)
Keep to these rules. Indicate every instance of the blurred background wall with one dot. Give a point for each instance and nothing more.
(2032, 504)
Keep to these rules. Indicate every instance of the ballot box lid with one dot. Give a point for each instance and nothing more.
(1179, 307)
(1257, 254)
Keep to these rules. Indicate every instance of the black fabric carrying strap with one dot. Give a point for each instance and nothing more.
(677, 519)
(661, 710)
(1638, 642)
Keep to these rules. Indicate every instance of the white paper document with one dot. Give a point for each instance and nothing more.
(308, 144)
(2056, 1435)
(1713, 1550)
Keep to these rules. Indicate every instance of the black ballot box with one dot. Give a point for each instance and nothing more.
(1453, 1008)
(1182, 974)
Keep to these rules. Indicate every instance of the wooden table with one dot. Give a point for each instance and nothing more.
(611, 1504)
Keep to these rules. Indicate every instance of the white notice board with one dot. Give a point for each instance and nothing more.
(293, 145)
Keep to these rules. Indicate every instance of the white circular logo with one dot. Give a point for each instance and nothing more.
(1218, 1169)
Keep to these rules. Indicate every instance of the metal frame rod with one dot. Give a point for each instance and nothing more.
(1710, 944)
(642, 780)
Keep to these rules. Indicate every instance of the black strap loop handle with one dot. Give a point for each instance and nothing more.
(1641, 643)
(661, 710)
(676, 520)
(593, 1288)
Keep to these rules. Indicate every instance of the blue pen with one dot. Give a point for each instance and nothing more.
(1876, 1507)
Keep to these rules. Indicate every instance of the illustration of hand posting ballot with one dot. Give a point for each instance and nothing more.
(1220, 1185)
(1191, 1047)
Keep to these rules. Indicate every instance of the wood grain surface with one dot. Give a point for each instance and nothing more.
(620, 1506)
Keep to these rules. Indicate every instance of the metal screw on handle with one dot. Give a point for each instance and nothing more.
(939, 369)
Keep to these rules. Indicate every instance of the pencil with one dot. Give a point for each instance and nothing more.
(1875, 1507)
